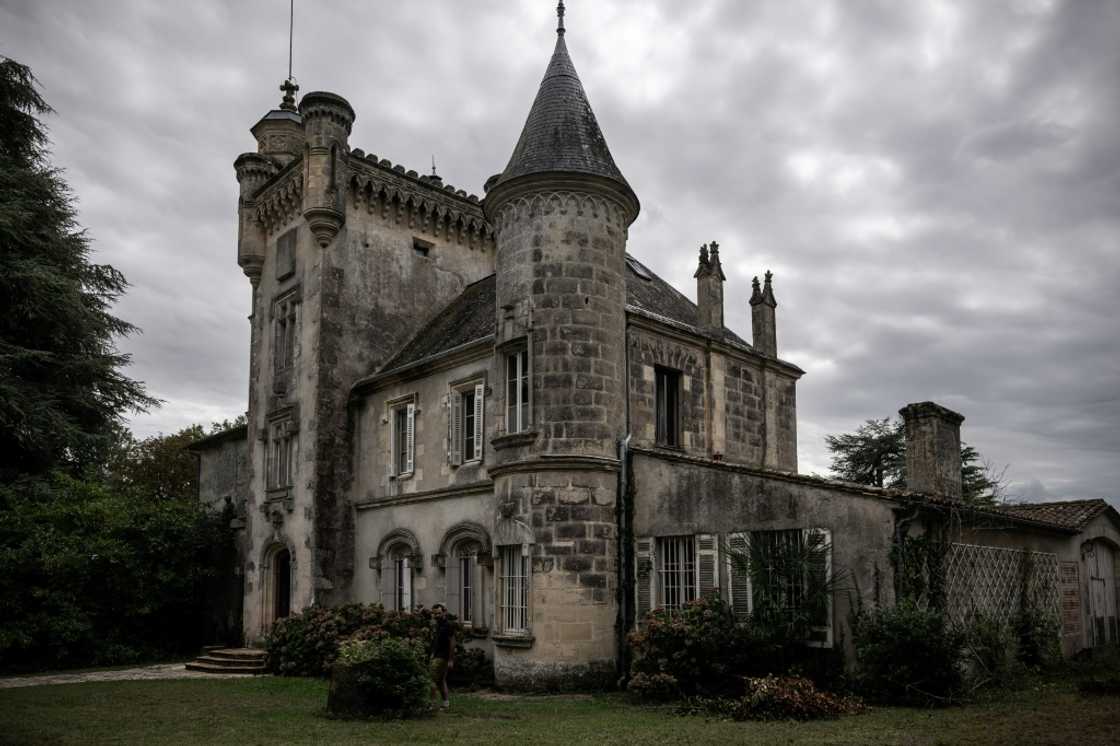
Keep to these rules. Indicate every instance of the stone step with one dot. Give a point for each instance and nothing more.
(210, 666)
(237, 654)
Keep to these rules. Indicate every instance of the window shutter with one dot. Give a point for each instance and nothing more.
(644, 576)
(451, 563)
(479, 393)
(456, 428)
(819, 541)
(410, 437)
(738, 575)
(388, 583)
(406, 586)
(707, 557)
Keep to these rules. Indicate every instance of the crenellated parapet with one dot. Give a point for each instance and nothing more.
(423, 203)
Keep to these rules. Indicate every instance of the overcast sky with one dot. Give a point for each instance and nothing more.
(936, 185)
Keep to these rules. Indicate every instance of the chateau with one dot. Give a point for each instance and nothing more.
(493, 403)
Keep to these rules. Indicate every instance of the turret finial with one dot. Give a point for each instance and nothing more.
(289, 87)
(756, 294)
(560, 18)
(768, 290)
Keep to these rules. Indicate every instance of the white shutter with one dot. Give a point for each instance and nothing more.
(406, 586)
(820, 635)
(410, 437)
(738, 575)
(479, 393)
(644, 578)
(707, 564)
(456, 416)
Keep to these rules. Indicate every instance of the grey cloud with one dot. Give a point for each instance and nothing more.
(935, 184)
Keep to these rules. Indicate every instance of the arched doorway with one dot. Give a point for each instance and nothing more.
(282, 584)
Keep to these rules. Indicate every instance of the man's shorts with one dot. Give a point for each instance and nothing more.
(439, 669)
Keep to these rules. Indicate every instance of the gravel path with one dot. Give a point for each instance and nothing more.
(143, 673)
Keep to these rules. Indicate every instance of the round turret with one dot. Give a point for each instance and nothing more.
(327, 119)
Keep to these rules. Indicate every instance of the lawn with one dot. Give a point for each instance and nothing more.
(289, 711)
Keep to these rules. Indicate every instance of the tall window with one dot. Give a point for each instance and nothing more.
(513, 590)
(285, 319)
(286, 254)
(402, 582)
(676, 571)
(466, 436)
(517, 391)
(281, 454)
(467, 584)
(668, 384)
(403, 439)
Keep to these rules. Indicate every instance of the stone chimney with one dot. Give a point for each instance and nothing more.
(933, 449)
(764, 327)
(709, 288)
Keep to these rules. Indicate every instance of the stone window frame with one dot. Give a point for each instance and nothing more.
(398, 550)
(456, 436)
(285, 317)
(518, 350)
(281, 440)
(409, 404)
(514, 565)
(669, 434)
(459, 535)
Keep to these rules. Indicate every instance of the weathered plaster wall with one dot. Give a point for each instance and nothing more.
(675, 497)
(433, 471)
(223, 474)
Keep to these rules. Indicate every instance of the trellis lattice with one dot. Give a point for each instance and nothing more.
(989, 581)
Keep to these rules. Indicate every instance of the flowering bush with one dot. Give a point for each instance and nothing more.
(791, 698)
(307, 644)
(697, 650)
(381, 677)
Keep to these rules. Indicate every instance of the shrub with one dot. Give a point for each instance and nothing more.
(386, 677)
(791, 698)
(307, 644)
(990, 651)
(655, 687)
(1038, 639)
(1102, 685)
(700, 647)
(94, 576)
(908, 655)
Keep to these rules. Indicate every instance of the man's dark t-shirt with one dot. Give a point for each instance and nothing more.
(441, 640)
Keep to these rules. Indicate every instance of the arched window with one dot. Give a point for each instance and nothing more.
(398, 561)
(466, 562)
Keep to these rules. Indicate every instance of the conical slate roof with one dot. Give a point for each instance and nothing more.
(561, 133)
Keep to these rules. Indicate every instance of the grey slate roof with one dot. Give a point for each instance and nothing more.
(472, 316)
(561, 133)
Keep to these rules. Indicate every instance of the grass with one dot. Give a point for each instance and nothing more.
(290, 711)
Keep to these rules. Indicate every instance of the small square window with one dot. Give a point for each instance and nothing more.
(422, 247)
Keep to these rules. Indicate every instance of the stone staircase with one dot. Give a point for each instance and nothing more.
(218, 659)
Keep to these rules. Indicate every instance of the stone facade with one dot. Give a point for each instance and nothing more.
(492, 404)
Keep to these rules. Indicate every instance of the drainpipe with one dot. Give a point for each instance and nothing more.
(624, 512)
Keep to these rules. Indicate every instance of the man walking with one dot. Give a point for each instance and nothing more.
(443, 654)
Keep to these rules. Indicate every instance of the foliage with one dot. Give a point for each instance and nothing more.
(1100, 685)
(1037, 637)
(908, 655)
(791, 584)
(159, 467)
(91, 576)
(875, 455)
(919, 568)
(791, 698)
(381, 677)
(307, 643)
(990, 651)
(61, 386)
(699, 649)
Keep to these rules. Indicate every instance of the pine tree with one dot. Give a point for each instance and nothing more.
(61, 386)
